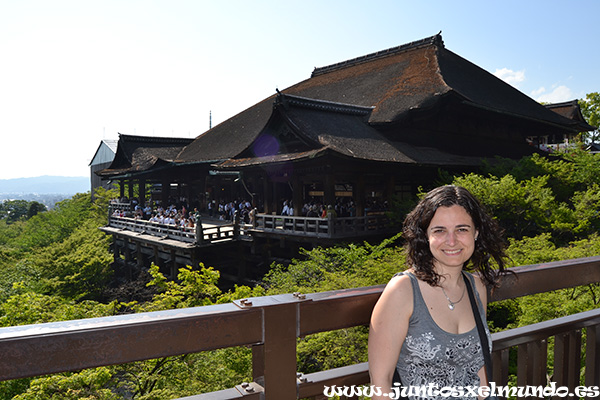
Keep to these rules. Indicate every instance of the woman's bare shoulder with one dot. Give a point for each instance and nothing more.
(400, 282)
(399, 287)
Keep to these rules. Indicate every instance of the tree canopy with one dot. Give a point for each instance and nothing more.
(590, 109)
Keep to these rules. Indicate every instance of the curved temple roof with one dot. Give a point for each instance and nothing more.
(142, 153)
(393, 84)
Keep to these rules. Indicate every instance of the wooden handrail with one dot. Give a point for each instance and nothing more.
(271, 325)
(320, 227)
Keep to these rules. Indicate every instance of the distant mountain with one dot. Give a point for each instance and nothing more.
(67, 185)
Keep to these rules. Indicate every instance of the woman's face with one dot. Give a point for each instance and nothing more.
(451, 234)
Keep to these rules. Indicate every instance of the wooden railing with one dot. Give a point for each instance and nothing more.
(321, 227)
(272, 324)
(277, 224)
(199, 234)
(183, 234)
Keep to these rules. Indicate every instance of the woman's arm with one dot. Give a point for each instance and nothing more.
(389, 324)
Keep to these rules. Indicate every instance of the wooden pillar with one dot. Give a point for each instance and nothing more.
(127, 250)
(297, 195)
(218, 189)
(173, 265)
(121, 189)
(359, 196)
(142, 191)
(267, 195)
(165, 191)
(156, 256)
(116, 250)
(276, 199)
(329, 189)
(254, 182)
(389, 190)
(130, 187)
(201, 194)
(139, 255)
(274, 362)
(234, 189)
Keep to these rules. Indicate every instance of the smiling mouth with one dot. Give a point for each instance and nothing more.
(452, 252)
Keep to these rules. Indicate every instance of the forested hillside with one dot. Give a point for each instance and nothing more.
(56, 265)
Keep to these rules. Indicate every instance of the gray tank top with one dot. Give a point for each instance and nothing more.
(431, 355)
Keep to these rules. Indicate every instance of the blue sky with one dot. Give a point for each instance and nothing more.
(76, 72)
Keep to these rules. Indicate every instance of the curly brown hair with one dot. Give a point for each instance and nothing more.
(489, 244)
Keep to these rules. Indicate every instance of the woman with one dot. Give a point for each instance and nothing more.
(423, 323)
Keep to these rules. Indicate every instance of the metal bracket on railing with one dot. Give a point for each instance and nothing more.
(271, 300)
(301, 378)
(299, 296)
(250, 388)
(243, 303)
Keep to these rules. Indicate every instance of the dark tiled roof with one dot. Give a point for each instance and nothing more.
(343, 129)
(393, 83)
(571, 110)
(142, 153)
(481, 89)
(230, 137)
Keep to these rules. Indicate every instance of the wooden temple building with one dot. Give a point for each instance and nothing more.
(363, 131)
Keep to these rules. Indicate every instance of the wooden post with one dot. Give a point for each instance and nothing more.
(130, 187)
(173, 265)
(236, 224)
(276, 199)
(142, 192)
(165, 192)
(359, 196)
(329, 190)
(274, 362)
(268, 195)
(592, 356)
(121, 189)
(297, 195)
(389, 190)
(199, 232)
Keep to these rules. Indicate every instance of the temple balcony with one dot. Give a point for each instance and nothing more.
(271, 325)
(138, 242)
(212, 230)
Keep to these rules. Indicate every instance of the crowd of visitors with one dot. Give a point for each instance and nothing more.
(343, 207)
(169, 216)
(181, 216)
(231, 210)
(178, 213)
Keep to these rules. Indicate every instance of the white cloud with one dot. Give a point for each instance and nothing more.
(511, 77)
(557, 95)
(538, 92)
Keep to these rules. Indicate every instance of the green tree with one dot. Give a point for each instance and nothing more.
(54, 226)
(85, 385)
(13, 210)
(35, 208)
(590, 109)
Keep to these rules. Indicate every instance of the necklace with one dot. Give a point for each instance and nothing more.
(452, 303)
